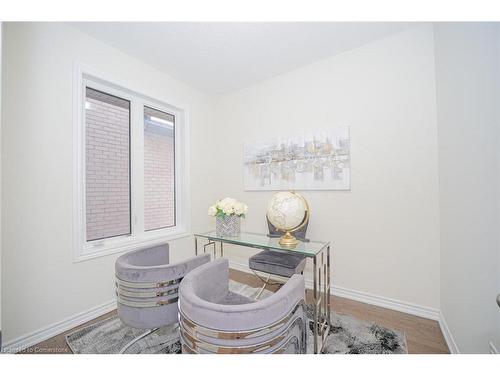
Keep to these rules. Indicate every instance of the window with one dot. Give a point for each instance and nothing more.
(159, 171)
(107, 165)
(130, 178)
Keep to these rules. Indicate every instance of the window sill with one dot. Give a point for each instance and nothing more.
(124, 244)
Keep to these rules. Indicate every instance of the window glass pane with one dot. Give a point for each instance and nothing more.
(159, 169)
(107, 165)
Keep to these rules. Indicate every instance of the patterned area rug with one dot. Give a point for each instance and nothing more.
(348, 335)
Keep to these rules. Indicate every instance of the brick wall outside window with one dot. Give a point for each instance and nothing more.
(159, 172)
(107, 161)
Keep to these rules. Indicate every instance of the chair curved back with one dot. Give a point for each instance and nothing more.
(216, 320)
(147, 286)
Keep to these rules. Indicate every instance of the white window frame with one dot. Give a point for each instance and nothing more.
(83, 250)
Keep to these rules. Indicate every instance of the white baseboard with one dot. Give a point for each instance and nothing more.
(450, 341)
(385, 302)
(371, 299)
(33, 338)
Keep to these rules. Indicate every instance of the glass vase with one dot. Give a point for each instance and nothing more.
(228, 226)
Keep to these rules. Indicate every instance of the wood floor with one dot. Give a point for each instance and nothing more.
(423, 336)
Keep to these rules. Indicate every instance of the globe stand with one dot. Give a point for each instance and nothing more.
(288, 240)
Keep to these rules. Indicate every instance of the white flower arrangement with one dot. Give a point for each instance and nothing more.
(227, 207)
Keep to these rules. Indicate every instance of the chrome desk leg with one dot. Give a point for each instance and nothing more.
(222, 250)
(208, 244)
(195, 245)
(263, 286)
(328, 273)
(321, 297)
(325, 317)
(148, 332)
(315, 305)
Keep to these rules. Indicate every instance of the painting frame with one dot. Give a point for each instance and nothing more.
(318, 160)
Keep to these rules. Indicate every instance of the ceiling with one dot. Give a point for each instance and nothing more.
(220, 57)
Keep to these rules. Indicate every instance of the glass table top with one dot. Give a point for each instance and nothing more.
(263, 241)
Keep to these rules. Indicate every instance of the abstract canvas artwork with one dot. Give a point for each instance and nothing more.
(319, 161)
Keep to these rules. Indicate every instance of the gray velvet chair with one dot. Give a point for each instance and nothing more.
(215, 320)
(147, 287)
(276, 263)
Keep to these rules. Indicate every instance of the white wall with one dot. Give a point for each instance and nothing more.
(467, 82)
(385, 230)
(45, 286)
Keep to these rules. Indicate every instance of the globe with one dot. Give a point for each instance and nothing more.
(286, 210)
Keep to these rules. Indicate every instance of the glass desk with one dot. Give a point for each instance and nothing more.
(318, 252)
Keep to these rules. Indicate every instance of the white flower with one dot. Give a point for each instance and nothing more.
(212, 210)
(226, 202)
(228, 209)
(240, 208)
(228, 206)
